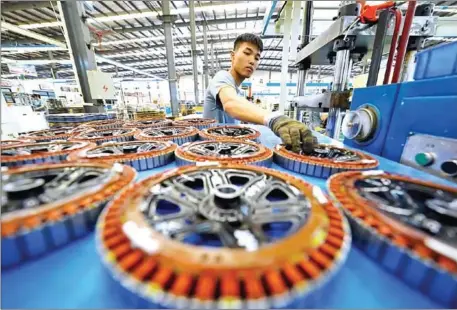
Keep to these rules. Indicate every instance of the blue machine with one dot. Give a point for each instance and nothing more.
(414, 123)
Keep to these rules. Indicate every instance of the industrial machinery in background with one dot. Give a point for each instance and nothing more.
(361, 30)
(414, 123)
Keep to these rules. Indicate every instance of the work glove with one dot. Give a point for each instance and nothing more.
(294, 134)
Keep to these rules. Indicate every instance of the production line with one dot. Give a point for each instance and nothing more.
(226, 183)
(148, 210)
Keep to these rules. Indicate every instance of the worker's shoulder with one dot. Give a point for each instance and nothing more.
(223, 75)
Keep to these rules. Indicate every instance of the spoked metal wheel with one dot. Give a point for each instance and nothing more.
(141, 155)
(408, 225)
(103, 124)
(200, 123)
(38, 153)
(148, 123)
(323, 161)
(177, 134)
(228, 151)
(230, 132)
(46, 206)
(222, 236)
(6, 143)
(48, 135)
(101, 136)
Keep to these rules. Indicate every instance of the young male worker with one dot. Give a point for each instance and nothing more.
(224, 102)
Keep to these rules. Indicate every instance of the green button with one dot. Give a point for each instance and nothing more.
(424, 159)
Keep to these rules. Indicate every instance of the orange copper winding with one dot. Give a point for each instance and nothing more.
(208, 274)
(263, 153)
(79, 146)
(14, 222)
(169, 147)
(366, 161)
(209, 134)
(343, 191)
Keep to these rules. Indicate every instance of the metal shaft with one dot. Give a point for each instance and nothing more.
(193, 47)
(167, 21)
(378, 46)
(341, 65)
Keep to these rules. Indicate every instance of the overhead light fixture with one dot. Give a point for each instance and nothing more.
(36, 61)
(31, 49)
(40, 25)
(121, 65)
(31, 34)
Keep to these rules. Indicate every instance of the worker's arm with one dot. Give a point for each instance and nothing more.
(294, 134)
(239, 108)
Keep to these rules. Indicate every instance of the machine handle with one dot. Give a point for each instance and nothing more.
(368, 12)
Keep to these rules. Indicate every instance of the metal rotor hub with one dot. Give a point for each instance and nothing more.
(142, 155)
(32, 153)
(100, 136)
(257, 221)
(49, 134)
(324, 160)
(177, 134)
(425, 208)
(46, 206)
(148, 123)
(103, 124)
(227, 150)
(199, 123)
(5, 143)
(230, 132)
(415, 216)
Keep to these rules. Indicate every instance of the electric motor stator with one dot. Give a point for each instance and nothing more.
(229, 132)
(409, 226)
(46, 206)
(141, 155)
(323, 161)
(222, 236)
(227, 151)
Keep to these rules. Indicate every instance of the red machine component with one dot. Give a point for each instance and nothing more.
(369, 12)
(403, 41)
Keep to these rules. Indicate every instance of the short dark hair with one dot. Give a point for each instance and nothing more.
(250, 38)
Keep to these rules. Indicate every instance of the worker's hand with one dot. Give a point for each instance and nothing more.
(294, 134)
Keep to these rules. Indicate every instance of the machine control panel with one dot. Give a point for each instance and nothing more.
(449, 167)
(436, 155)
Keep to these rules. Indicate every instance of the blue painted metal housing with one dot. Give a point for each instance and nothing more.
(424, 106)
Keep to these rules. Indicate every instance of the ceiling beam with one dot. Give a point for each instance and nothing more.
(24, 5)
(31, 34)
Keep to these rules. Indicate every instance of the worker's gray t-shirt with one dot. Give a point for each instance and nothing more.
(213, 105)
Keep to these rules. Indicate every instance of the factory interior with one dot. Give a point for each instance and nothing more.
(228, 154)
